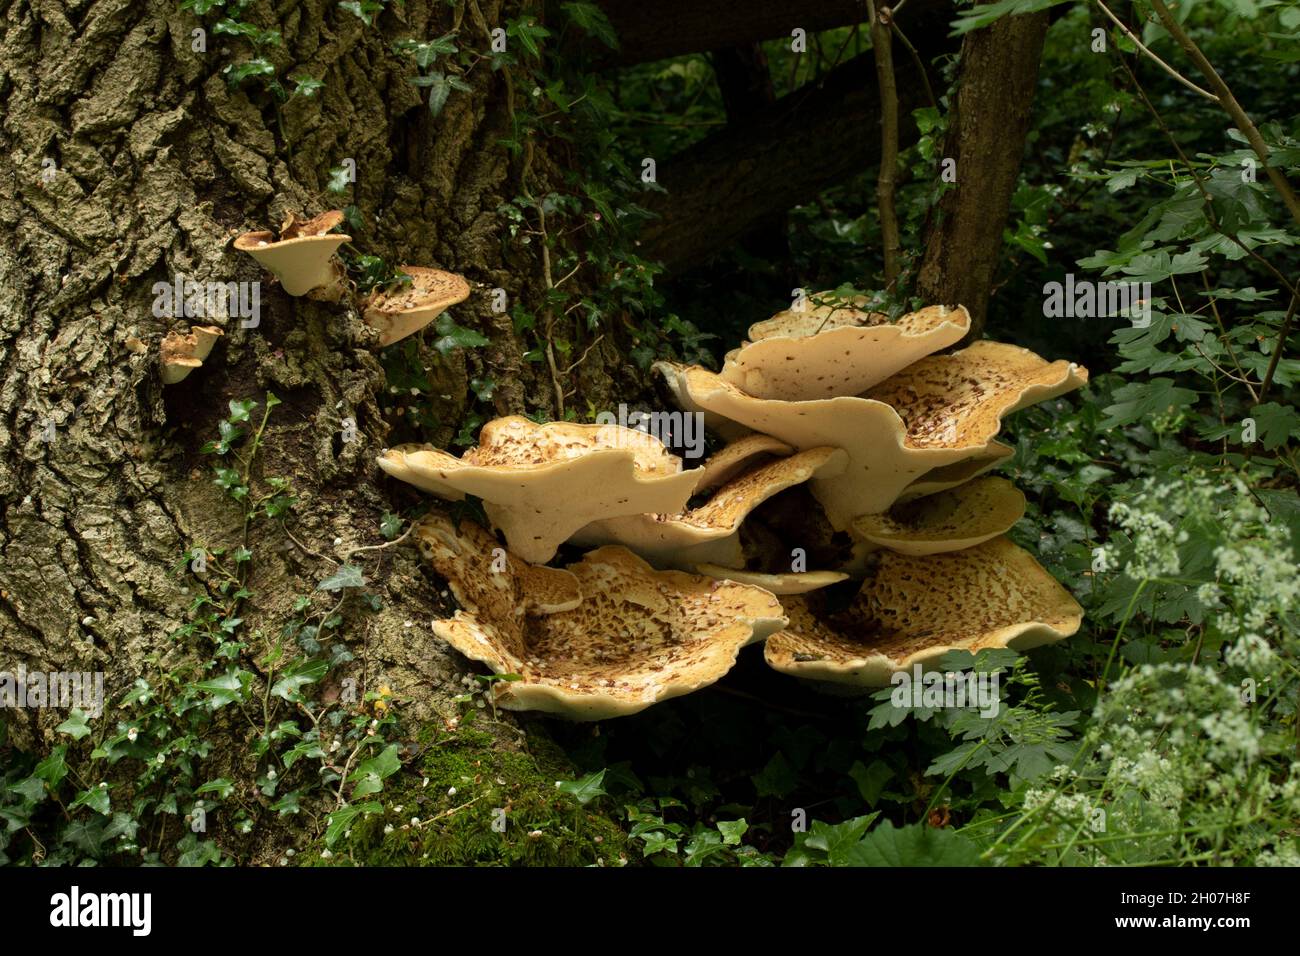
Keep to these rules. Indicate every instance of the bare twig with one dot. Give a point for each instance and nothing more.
(1161, 63)
(1230, 106)
(882, 47)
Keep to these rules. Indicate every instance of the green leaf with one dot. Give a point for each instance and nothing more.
(912, 845)
(222, 787)
(299, 675)
(585, 789)
(341, 819)
(75, 726)
(347, 576)
(1276, 424)
(390, 526)
(1144, 400)
(732, 831)
(439, 90)
(95, 797)
(370, 775)
(453, 336)
(53, 768)
(777, 779)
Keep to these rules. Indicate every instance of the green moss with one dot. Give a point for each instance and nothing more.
(505, 811)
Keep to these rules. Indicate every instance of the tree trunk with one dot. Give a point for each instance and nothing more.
(999, 72)
(156, 165)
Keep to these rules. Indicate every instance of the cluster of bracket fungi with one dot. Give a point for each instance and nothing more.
(303, 258)
(852, 447)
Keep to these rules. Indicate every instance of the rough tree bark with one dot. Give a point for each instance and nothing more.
(999, 72)
(157, 164)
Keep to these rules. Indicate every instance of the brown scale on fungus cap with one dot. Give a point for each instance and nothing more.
(302, 258)
(828, 351)
(914, 609)
(541, 483)
(637, 637)
(406, 310)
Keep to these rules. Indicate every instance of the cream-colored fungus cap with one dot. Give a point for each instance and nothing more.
(825, 352)
(400, 313)
(637, 637)
(948, 521)
(541, 483)
(710, 532)
(182, 352)
(913, 610)
(303, 257)
(942, 410)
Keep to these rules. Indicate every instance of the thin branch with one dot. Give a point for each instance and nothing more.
(882, 46)
(1230, 106)
(1161, 63)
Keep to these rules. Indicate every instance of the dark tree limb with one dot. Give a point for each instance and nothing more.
(745, 83)
(821, 134)
(987, 126)
(657, 29)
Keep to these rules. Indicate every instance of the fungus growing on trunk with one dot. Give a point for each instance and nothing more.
(914, 609)
(302, 258)
(412, 306)
(637, 636)
(541, 483)
(182, 352)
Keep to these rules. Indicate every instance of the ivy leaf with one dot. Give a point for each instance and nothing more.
(339, 181)
(452, 336)
(347, 576)
(75, 726)
(585, 789)
(371, 774)
(776, 779)
(54, 767)
(390, 525)
(341, 819)
(223, 690)
(95, 797)
(222, 787)
(297, 676)
(591, 19)
(732, 831)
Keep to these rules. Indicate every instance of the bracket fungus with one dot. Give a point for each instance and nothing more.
(182, 352)
(948, 521)
(302, 258)
(405, 311)
(853, 447)
(827, 351)
(709, 533)
(541, 483)
(941, 410)
(637, 636)
(914, 609)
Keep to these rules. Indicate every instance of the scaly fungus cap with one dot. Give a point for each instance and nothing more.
(710, 533)
(939, 411)
(794, 582)
(302, 257)
(541, 483)
(638, 636)
(824, 352)
(913, 610)
(948, 521)
(410, 308)
(181, 353)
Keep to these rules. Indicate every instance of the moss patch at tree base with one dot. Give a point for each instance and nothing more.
(472, 798)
